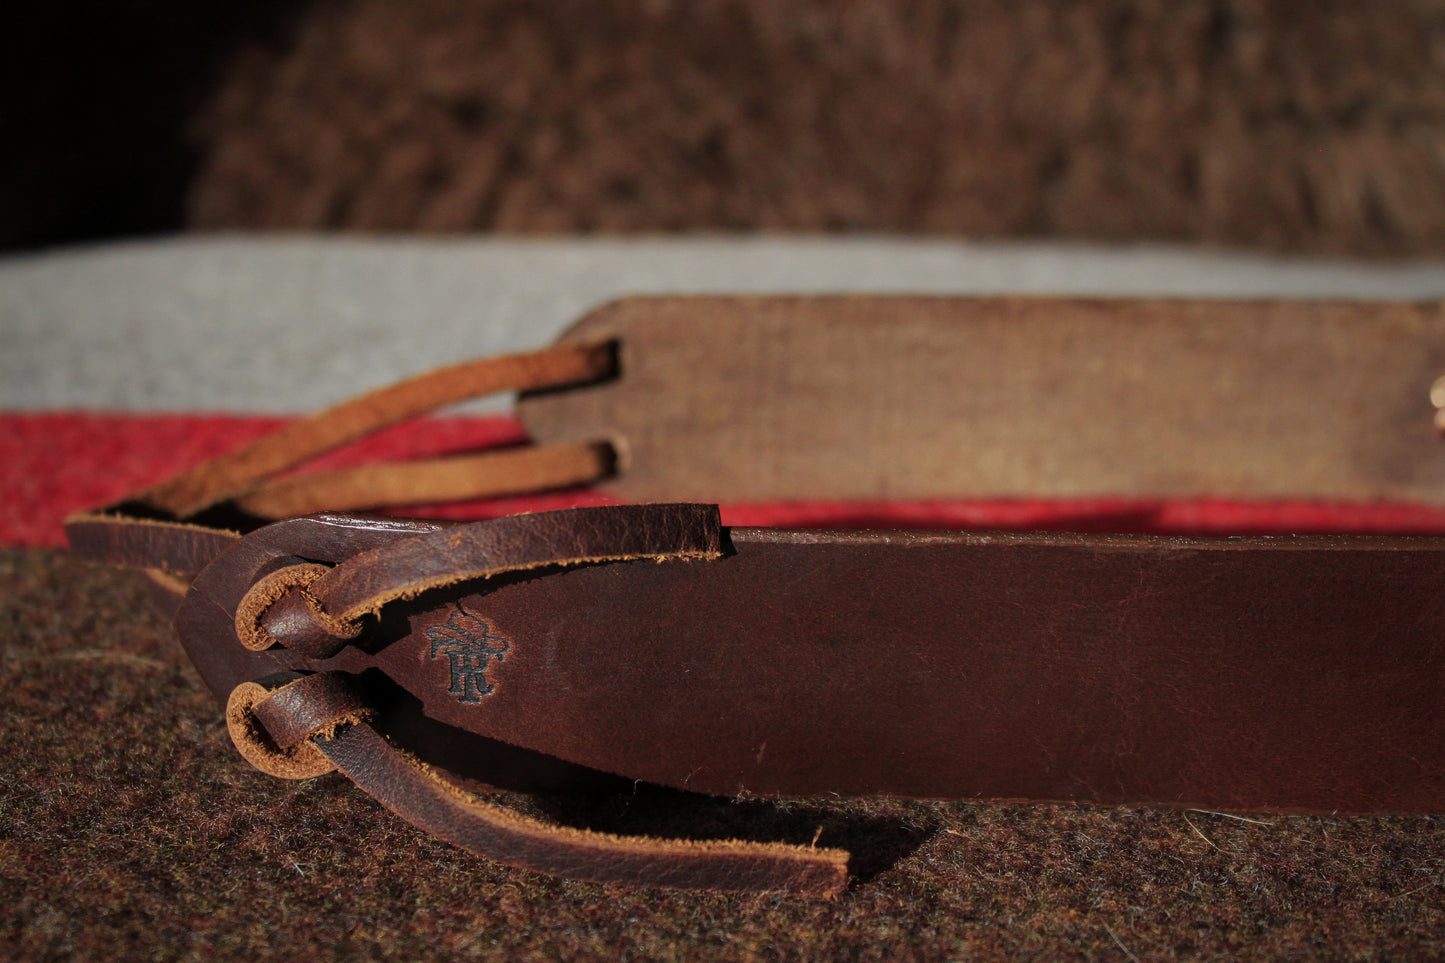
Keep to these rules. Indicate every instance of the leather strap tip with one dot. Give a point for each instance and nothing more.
(414, 792)
(279, 610)
(273, 726)
(256, 746)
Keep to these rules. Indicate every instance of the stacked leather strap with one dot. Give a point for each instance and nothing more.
(425, 659)
(320, 722)
(301, 725)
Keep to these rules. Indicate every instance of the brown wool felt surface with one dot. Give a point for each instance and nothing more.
(130, 828)
(1244, 122)
(1260, 123)
(1248, 122)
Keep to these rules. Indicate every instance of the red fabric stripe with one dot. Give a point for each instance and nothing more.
(56, 463)
(52, 464)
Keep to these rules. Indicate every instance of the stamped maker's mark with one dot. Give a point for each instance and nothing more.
(470, 643)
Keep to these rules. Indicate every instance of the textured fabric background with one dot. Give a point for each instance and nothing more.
(265, 323)
(122, 363)
(129, 828)
(1260, 123)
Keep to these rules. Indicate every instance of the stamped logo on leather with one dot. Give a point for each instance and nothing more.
(469, 643)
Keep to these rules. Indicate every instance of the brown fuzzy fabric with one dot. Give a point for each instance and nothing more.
(1271, 124)
(1262, 123)
(129, 828)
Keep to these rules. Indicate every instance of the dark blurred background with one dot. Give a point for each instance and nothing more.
(1266, 124)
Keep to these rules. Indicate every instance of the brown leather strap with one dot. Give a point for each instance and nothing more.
(329, 710)
(1271, 674)
(433, 480)
(409, 789)
(177, 548)
(330, 602)
(363, 584)
(1284, 674)
(1217, 673)
(281, 732)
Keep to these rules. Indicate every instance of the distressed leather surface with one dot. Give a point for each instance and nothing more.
(737, 399)
(1291, 674)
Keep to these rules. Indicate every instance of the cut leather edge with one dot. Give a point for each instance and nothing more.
(300, 761)
(410, 789)
(353, 588)
(176, 548)
(299, 726)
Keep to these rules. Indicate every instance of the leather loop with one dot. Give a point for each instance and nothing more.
(278, 610)
(313, 705)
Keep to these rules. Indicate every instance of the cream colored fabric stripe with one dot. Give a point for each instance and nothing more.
(292, 325)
